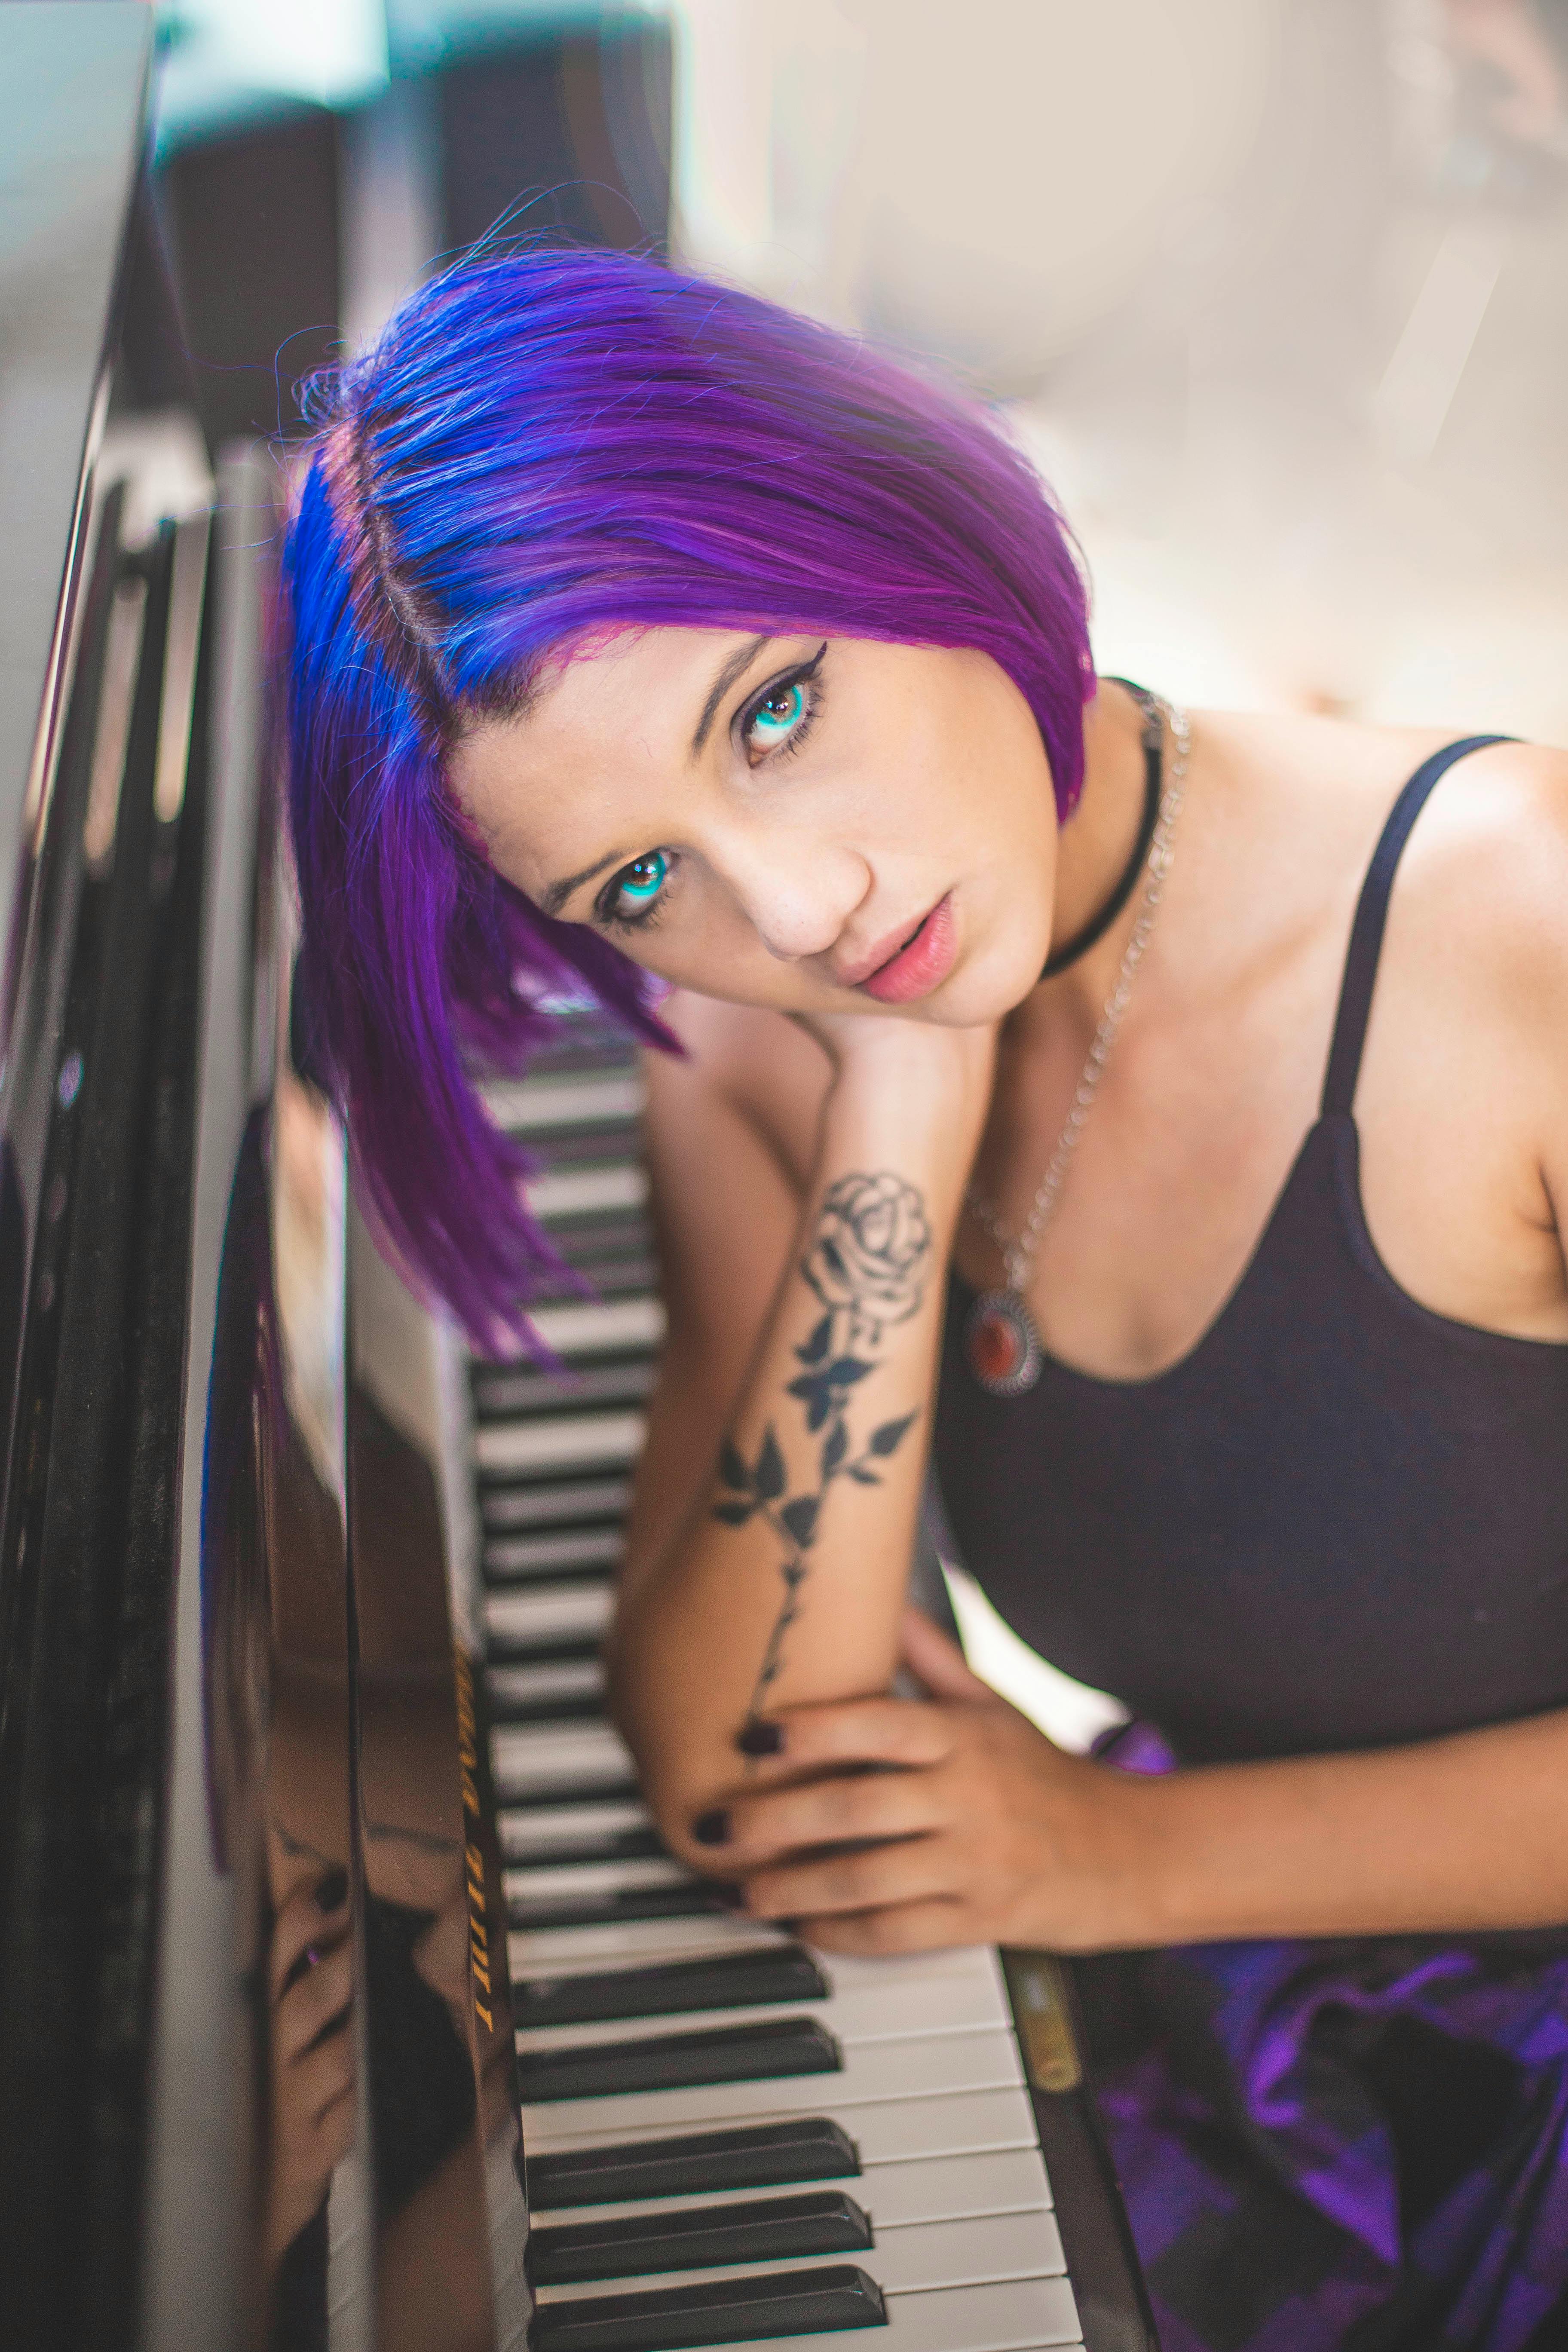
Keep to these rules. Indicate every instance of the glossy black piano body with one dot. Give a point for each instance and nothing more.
(256, 1561)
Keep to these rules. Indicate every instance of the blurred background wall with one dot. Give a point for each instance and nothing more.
(1276, 291)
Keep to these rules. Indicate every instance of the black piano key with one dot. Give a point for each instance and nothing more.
(518, 1395)
(716, 2311)
(503, 1650)
(553, 1502)
(699, 1900)
(544, 1706)
(512, 1560)
(699, 2237)
(617, 1845)
(679, 2061)
(743, 1980)
(565, 1792)
(613, 1275)
(589, 1708)
(748, 2156)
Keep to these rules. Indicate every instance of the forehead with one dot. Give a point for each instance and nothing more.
(630, 681)
(607, 720)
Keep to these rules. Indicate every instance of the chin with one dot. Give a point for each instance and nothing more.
(988, 988)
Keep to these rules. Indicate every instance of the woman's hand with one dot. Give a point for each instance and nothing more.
(312, 2126)
(978, 1830)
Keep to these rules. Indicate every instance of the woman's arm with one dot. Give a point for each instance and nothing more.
(768, 1563)
(995, 1836)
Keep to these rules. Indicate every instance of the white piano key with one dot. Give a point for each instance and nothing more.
(1002, 2180)
(533, 1105)
(904, 2261)
(573, 1548)
(511, 1449)
(913, 2130)
(529, 1759)
(591, 1191)
(912, 2258)
(601, 1327)
(873, 2073)
(976, 1963)
(590, 1882)
(563, 1505)
(640, 1943)
(929, 2189)
(542, 1829)
(567, 1678)
(957, 1992)
(550, 1613)
(1012, 2316)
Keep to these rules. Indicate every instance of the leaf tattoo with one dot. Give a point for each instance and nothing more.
(867, 1261)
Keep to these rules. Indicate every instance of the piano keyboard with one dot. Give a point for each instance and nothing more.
(728, 2140)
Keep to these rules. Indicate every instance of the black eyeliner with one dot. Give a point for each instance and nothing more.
(803, 674)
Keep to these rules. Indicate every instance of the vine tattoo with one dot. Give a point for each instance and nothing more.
(868, 1262)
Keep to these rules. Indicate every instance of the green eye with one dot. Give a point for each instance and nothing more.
(779, 715)
(636, 886)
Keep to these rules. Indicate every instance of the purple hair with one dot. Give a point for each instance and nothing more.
(541, 448)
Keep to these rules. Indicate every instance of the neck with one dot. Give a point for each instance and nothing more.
(1095, 843)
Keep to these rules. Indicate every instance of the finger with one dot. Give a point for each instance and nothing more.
(320, 1998)
(335, 2130)
(851, 1731)
(323, 2076)
(303, 1921)
(915, 1871)
(931, 1927)
(938, 1661)
(823, 1812)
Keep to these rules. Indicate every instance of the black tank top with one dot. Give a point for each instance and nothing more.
(1341, 1520)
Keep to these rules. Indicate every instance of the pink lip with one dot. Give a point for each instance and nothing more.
(922, 964)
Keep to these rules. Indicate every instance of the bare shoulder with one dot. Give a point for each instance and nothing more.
(1485, 881)
(762, 1065)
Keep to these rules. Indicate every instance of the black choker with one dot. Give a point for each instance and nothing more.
(1153, 764)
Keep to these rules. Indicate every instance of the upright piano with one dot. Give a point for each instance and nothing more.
(348, 1997)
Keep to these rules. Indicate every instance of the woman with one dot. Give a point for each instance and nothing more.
(640, 631)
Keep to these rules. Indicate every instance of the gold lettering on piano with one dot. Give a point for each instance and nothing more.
(473, 1852)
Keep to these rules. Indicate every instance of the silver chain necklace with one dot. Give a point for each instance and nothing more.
(1000, 1340)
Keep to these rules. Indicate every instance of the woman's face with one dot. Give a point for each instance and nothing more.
(818, 826)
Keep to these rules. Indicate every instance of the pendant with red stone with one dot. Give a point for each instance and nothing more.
(1002, 1343)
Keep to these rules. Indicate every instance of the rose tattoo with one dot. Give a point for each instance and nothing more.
(867, 1261)
(869, 1251)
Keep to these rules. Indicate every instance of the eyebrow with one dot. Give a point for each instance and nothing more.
(557, 894)
(739, 661)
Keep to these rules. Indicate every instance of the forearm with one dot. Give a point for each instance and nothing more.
(786, 1583)
(1464, 1833)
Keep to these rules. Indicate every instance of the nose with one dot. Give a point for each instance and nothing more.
(799, 894)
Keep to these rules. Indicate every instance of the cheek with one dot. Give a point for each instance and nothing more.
(711, 950)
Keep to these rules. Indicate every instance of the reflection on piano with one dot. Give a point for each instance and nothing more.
(348, 1998)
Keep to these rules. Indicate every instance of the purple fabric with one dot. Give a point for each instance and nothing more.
(1263, 2178)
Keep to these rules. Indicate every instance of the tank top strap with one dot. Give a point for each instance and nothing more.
(1371, 914)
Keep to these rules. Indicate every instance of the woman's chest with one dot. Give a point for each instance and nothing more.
(1169, 1193)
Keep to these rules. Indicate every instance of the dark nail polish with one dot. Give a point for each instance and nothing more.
(759, 1739)
(332, 1891)
(711, 1828)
